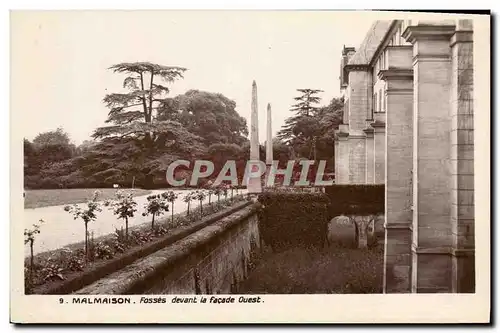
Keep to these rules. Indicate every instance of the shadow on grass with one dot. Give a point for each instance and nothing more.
(334, 269)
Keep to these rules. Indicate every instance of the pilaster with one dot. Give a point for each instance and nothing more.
(360, 86)
(462, 157)
(432, 229)
(370, 155)
(398, 179)
(379, 147)
(342, 157)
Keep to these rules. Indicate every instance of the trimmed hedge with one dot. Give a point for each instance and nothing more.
(291, 219)
(356, 199)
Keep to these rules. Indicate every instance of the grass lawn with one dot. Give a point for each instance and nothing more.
(44, 198)
(329, 270)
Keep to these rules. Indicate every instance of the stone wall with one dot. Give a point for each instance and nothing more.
(420, 93)
(212, 260)
(356, 230)
(462, 156)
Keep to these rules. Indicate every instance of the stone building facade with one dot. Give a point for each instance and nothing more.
(409, 124)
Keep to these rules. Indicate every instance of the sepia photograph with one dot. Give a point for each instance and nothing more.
(185, 159)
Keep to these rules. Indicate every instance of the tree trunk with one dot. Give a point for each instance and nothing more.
(153, 222)
(209, 199)
(32, 260)
(231, 194)
(86, 243)
(126, 228)
(172, 212)
(201, 207)
(188, 208)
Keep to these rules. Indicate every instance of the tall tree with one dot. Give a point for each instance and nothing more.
(57, 137)
(311, 131)
(297, 128)
(137, 141)
(211, 116)
(306, 103)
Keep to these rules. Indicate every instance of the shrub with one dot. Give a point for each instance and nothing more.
(155, 206)
(355, 199)
(218, 192)
(200, 195)
(52, 271)
(29, 238)
(171, 196)
(140, 237)
(291, 219)
(187, 199)
(102, 251)
(86, 215)
(123, 207)
(76, 263)
(56, 264)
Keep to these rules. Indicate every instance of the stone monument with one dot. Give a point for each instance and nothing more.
(254, 183)
(269, 143)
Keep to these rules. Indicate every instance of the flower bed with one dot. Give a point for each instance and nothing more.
(65, 270)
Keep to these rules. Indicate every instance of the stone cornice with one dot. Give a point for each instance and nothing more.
(400, 225)
(461, 37)
(354, 67)
(395, 74)
(377, 123)
(399, 92)
(409, 47)
(428, 32)
(431, 58)
(433, 250)
(342, 134)
(443, 251)
(464, 252)
(369, 132)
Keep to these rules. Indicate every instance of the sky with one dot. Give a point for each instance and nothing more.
(60, 60)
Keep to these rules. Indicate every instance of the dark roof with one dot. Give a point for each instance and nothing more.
(373, 38)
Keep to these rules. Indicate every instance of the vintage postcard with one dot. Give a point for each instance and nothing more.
(250, 167)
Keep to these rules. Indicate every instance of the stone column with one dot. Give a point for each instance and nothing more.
(342, 156)
(254, 183)
(370, 156)
(360, 97)
(432, 238)
(269, 137)
(336, 154)
(398, 178)
(379, 147)
(269, 141)
(357, 146)
(462, 158)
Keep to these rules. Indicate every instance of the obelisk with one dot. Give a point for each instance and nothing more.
(269, 137)
(254, 185)
(269, 143)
